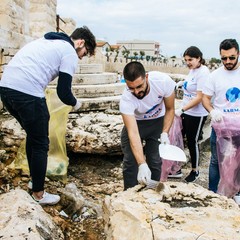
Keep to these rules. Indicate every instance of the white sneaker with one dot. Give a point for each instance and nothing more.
(48, 199)
(236, 198)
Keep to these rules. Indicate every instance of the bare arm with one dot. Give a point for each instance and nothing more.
(169, 115)
(206, 100)
(134, 138)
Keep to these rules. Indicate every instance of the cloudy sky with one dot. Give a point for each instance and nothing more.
(175, 24)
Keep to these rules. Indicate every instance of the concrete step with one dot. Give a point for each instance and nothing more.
(93, 91)
(99, 103)
(89, 68)
(103, 78)
(95, 78)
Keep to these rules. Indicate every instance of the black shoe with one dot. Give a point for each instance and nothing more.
(178, 174)
(192, 176)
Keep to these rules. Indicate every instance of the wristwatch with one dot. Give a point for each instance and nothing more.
(182, 110)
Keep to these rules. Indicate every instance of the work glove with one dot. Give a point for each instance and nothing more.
(164, 138)
(179, 84)
(77, 106)
(144, 174)
(216, 115)
(178, 112)
(152, 184)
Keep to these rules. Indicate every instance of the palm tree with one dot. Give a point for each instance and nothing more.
(135, 55)
(142, 54)
(126, 53)
(116, 56)
(108, 54)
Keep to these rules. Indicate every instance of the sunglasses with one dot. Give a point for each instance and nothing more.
(230, 58)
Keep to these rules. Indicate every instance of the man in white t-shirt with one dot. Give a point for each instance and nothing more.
(147, 108)
(221, 99)
(22, 90)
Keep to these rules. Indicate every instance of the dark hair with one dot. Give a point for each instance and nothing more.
(133, 70)
(194, 52)
(85, 34)
(228, 44)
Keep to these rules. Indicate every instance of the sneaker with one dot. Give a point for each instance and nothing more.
(192, 176)
(48, 199)
(178, 174)
(236, 198)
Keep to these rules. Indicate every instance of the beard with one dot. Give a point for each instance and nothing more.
(231, 66)
(141, 94)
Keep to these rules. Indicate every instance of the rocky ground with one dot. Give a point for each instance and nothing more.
(95, 177)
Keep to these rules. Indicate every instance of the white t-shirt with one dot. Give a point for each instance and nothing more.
(224, 86)
(152, 105)
(194, 82)
(38, 63)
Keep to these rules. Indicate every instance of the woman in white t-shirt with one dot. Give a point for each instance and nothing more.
(192, 112)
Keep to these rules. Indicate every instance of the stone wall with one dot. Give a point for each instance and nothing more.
(22, 21)
(42, 17)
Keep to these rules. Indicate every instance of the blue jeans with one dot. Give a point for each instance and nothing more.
(32, 114)
(214, 175)
(149, 131)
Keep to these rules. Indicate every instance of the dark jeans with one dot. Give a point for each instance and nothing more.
(149, 131)
(214, 175)
(32, 114)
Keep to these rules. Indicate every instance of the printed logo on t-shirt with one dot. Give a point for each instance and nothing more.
(185, 85)
(232, 96)
(153, 112)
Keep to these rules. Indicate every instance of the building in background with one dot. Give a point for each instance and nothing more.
(148, 47)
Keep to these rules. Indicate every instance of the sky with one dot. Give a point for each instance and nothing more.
(175, 24)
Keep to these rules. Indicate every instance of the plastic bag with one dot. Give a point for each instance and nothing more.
(228, 152)
(57, 154)
(175, 137)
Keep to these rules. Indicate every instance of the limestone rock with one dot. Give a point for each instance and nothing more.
(179, 211)
(95, 133)
(22, 218)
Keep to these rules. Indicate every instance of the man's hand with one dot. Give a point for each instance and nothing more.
(77, 106)
(216, 115)
(164, 138)
(144, 174)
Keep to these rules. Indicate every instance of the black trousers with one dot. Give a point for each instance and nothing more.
(149, 131)
(32, 114)
(192, 129)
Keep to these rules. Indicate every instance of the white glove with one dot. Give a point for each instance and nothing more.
(144, 174)
(178, 112)
(152, 184)
(216, 115)
(77, 106)
(164, 138)
(179, 84)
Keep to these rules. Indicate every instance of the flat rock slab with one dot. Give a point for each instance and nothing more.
(179, 211)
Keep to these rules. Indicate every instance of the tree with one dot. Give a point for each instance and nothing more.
(108, 53)
(135, 55)
(148, 58)
(214, 60)
(126, 53)
(116, 56)
(142, 54)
